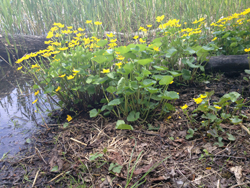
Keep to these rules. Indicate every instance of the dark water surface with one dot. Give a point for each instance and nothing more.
(18, 116)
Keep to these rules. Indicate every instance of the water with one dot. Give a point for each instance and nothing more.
(18, 116)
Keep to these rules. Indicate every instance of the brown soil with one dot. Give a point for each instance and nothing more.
(186, 164)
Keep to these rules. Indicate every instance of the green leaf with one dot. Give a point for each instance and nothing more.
(189, 50)
(144, 61)
(219, 143)
(114, 102)
(151, 89)
(120, 124)
(169, 95)
(28, 141)
(54, 169)
(191, 133)
(90, 89)
(35, 86)
(235, 120)
(93, 113)
(175, 74)
(230, 137)
(101, 43)
(121, 84)
(233, 44)
(65, 125)
(122, 49)
(233, 96)
(116, 168)
(133, 116)
(128, 67)
(246, 71)
(170, 52)
(225, 116)
(166, 80)
(186, 74)
(95, 156)
(148, 82)
(157, 77)
(160, 68)
(99, 59)
(213, 132)
(111, 89)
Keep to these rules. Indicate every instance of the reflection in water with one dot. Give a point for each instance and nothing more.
(18, 116)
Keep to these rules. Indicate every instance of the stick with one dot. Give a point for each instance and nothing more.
(243, 127)
(56, 177)
(78, 141)
(40, 155)
(35, 178)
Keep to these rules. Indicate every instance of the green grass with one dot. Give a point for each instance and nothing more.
(37, 17)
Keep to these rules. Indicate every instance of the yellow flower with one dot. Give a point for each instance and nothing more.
(160, 18)
(98, 23)
(203, 96)
(65, 48)
(50, 35)
(19, 68)
(70, 27)
(61, 76)
(141, 28)
(184, 107)
(136, 37)
(119, 65)
(149, 26)
(142, 41)
(156, 49)
(169, 117)
(171, 82)
(37, 92)
(76, 71)
(185, 23)
(48, 42)
(69, 118)
(34, 101)
(198, 100)
(215, 38)
(35, 66)
(88, 21)
(105, 71)
(113, 40)
(70, 77)
(217, 107)
(110, 35)
(19, 60)
(58, 88)
(80, 29)
(247, 50)
(120, 57)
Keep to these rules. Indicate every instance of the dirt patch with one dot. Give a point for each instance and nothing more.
(92, 153)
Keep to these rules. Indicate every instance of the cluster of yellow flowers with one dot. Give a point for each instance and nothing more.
(221, 22)
(170, 23)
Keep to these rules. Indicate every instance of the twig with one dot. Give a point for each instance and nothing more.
(243, 127)
(213, 156)
(35, 178)
(56, 177)
(240, 184)
(40, 155)
(78, 141)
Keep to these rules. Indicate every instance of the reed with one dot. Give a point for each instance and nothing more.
(37, 17)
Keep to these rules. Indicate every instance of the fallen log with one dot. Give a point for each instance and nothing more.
(18, 45)
(30, 43)
(227, 63)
